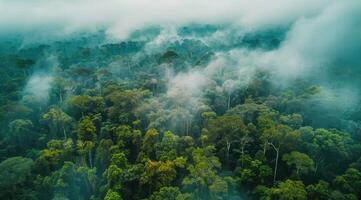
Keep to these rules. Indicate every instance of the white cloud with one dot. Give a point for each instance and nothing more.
(38, 87)
(120, 17)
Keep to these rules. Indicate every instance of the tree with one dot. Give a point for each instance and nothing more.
(14, 172)
(165, 193)
(80, 103)
(253, 172)
(167, 148)
(89, 179)
(85, 104)
(24, 64)
(206, 116)
(114, 175)
(150, 139)
(57, 121)
(289, 190)
(293, 120)
(111, 195)
(300, 161)
(229, 86)
(122, 102)
(319, 191)
(350, 182)
(21, 131)
(65, 181)
(324, 146)
(62, 86)
(278, 137)
(103, 154)
(182, 118)
(86, 133)
(250, 111)
(48, 160)
(203, 181)
(158, 174)
(129, 139)
(218, 189)
(227, 130)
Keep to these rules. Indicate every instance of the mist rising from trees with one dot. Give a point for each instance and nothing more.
(180, 100)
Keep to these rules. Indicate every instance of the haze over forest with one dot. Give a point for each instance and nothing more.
(180, 99)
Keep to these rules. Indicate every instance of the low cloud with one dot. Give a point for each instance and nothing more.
(37, 88)
(120, 18)
(321, 49)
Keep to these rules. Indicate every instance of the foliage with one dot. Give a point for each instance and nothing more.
(121, 121)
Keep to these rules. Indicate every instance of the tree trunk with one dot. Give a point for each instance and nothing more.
(228, 149)
(264, 148)
(64, 131)
(276, 165)
(318, 163)
(229, 102)
(242, 155)
(60, 97)
(90, 159)
(316, 167)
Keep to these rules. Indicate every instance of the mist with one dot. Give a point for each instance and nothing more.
(315, 40)
(108, 96)
(120, 18)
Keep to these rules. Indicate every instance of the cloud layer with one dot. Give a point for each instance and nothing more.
(120, 17)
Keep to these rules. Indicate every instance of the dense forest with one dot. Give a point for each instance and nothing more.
(190, 112)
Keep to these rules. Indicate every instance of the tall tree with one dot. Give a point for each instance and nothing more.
(14, 172)
(289, 190)
(225, 131)
(278, 137)
(300, 161)
(86, 136)
(57, 121)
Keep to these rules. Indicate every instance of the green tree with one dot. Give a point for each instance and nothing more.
(112, 195)
(165, 193)
(81, 103)
(300, 161)
(158, 174)
(289, 190)
(51, 158)
(86, 135)
(61, 86)
(203, 180)
(150, 139)
(21, 131)
(253, 172)
(85, 104)
(129, 139)
(103, 154)
(319, 191)
(65, 182)
(167, 148)
(325, 146)
(14, 172)
(350, 182)
(227, 130)
(57, 121)
(278, 137)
